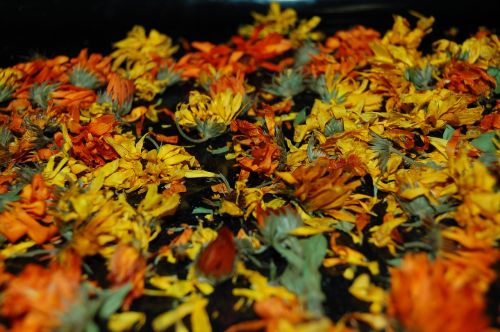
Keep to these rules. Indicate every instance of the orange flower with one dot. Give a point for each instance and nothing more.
(89, 145)
(71, 97)
(29, 214)
(220, 57)
(235, 83)
(121, 90)
(96, 64)
(428, 297)
(217, 259)
(461, 76)
(264, 152)
(259, 51)
(324, 186)
(41, 70)
(127, 265)
(352, 47)
(35, 299)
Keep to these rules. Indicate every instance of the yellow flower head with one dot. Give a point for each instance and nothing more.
(209, 115)
(139, 47)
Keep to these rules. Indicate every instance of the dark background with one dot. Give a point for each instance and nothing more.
(52, 27)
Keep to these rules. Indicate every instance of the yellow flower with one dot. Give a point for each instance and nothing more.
(136, 167)
(10, 79)
(156, 205)
(362, 289)
(194, 306)
(305, 31)
(209, 115)
(138, 46)
(478, 212)
(433, 109)
(102, 220)
(275, 21)
(260, 288)
(401, 34)
(61, 170)
(126, 321)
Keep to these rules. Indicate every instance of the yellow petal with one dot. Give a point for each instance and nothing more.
(126, 321)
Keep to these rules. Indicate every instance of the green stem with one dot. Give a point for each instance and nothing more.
(192, 140)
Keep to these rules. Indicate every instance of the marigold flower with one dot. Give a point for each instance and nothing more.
(420, 289)
(209, 115)
(36, 299)
(29, 216)
(264, 153)
(460, 76)
(127, 265)
(323, 188)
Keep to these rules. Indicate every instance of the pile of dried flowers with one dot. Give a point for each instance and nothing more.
(342, 183)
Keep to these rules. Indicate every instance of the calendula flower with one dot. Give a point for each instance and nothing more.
(89, 71)
(70, 98)
(401, 34)
(139, 46)
(286, 84)
(322, 188)
(276, 21)
(362, 289)
(261, 51)
(434, 109)
(420, 289)
(136, 168)
(88, 144)
(45, 70)
(37, 298)
(119, 93)
(259, 288)
(345, 255)
(460, 76)
(209, 115)
(9, 82)
(220, 57)
(264, 153)
(29, 215)
(352, 47)
(216, 261)
(479, 210)
(61, 170)
(281, 315)
(127, 266)
(193, 306)
(304, 31)
(100, 222)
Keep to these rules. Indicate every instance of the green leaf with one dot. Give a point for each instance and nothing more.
(220, 150)
(344, 226)
(448, 132)
(305, 53)
(300, 118)
(485, 142)
(40, 93)
(278, 224)
(286, 84)
(8, 197)
(91, 327)
(314, 250)
(495, 72)
(420, 77)
(334, 126)
(202, 210)
(383, 148)
(81, 77)
(113, 302)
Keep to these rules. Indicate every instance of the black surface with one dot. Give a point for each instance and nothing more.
(59, 26)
